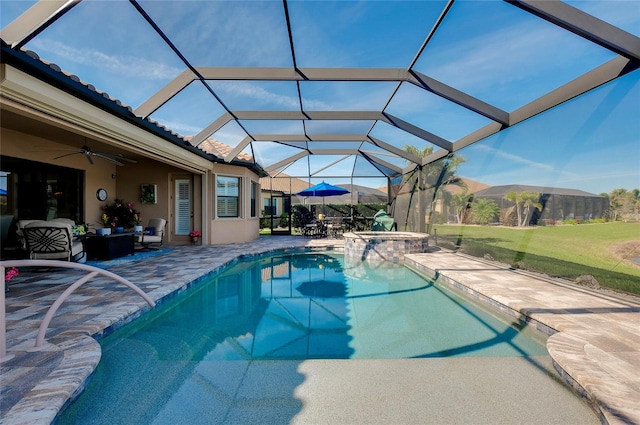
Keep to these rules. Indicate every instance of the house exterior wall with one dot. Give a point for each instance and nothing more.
(27, 132)
(556, 208)
(146, 171)
(224, 230)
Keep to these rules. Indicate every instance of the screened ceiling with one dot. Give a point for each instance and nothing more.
(326, 89)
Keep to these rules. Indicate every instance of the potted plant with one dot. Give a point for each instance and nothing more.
(195, 236)
(106, 229)
(8, 275)
(137, 223)
(120, 214)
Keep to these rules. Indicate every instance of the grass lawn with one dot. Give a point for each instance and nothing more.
(564, 251)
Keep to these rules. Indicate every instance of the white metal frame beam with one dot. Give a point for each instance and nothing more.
(34, 20)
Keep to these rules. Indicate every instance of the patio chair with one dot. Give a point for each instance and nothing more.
(20, 225)
(334, 227)
(52, 240)
(153, 235)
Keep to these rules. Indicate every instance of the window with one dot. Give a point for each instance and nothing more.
(255, 192)
(40, 191)
(270, 209)
(228, 196)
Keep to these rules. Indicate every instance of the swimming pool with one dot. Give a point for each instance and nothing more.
(285, 307)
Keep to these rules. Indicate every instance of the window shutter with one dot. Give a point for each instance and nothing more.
(183, 207)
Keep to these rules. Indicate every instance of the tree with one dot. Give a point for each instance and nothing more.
(616, 202)
(484, 210)
(460, 202)
(524, 202)
(435, 175)
(624, 203)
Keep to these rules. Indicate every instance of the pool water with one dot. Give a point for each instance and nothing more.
(287, 307)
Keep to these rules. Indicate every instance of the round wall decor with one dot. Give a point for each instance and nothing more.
(101, 194)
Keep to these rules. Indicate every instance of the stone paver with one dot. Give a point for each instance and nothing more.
(594, 343)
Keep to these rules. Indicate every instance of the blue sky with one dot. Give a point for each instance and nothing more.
(488, 49)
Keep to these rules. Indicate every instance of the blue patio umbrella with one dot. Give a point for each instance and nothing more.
(3, 192)
(323, 189)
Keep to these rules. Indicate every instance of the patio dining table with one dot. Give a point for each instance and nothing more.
(317, 229)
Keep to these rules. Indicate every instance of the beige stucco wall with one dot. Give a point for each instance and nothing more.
(124, 183)
(69, 122)
(228, 230)
(146, 171)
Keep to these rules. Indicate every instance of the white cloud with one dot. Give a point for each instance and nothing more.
(256, 92)
(179, 127)
(514, 158)
(122, 65)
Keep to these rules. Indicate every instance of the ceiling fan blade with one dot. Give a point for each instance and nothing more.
(116, 156)
(107, 158)
(67, 154)
(49, 149)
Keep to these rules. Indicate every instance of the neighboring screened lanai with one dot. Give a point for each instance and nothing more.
(408, 96)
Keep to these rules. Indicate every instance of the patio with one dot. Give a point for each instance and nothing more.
(597, 347)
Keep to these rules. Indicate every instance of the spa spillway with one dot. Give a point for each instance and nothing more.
(377, 247)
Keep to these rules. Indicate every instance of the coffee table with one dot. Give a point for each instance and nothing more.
(108, 247)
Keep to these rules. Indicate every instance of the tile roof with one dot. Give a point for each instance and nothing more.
(283, 183)
(504, 189)
(219, 149)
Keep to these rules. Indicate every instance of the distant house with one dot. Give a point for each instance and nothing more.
(275, 193)
(557, 203)
(358, 194)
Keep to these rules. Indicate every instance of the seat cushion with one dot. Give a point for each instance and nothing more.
(150, 239)
(62, 220)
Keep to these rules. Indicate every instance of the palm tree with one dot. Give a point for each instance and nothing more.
(460, 202)
(616, 201)
(484, 210)
(524, 202)
(434, 175)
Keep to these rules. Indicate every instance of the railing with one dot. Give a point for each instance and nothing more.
(93, 272)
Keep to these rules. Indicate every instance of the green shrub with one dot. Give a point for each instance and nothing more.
(284, 220)
(265, 221)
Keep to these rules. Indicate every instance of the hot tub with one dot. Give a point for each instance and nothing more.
(376, 247)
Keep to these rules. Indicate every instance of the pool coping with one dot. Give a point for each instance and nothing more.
(610, 394)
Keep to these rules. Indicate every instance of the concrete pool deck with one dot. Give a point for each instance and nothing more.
(596, 348)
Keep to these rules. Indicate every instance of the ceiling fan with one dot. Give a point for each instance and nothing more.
(88, 153)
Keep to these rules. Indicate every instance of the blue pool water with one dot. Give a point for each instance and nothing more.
(287, 307)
